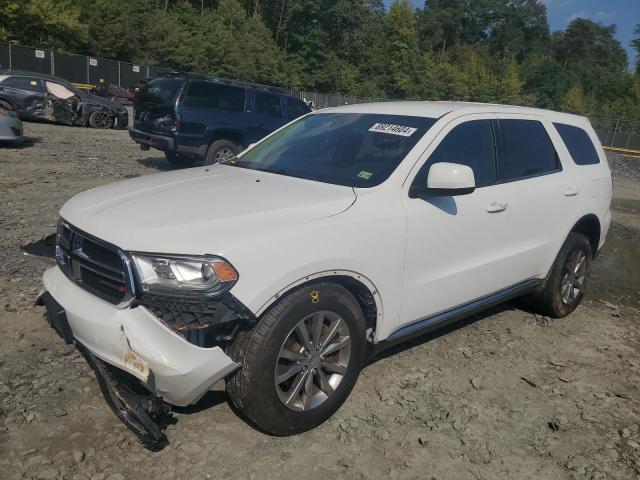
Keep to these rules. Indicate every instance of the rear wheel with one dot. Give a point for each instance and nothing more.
(565, 287)
(221, 150)
(179, 161)
(101, 119)
(300, 362)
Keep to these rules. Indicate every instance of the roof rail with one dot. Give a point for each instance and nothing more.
(226, 81)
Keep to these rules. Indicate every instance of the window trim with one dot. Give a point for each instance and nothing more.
(566, 147)
(489, 118)
(533, 175)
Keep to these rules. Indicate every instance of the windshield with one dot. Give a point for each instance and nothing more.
(352, 149)
(159, 91)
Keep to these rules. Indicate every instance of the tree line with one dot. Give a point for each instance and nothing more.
(473, 50)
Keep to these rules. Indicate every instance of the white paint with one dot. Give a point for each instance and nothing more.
(421, 256)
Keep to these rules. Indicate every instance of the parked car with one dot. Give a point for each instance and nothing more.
(193, 118)
(36, 96)
(345, 232)
(10, 126)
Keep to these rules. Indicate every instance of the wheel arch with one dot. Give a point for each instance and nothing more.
(235, 136)
(363, 290)
(10, 102)
(589, 226)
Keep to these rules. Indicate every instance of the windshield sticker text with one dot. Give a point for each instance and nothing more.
(393, 129)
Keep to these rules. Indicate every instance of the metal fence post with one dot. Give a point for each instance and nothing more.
(119, 75)
(53, 64)
(87, 60)
(10, 61)
(615, 130)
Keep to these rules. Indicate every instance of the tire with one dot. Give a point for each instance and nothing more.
(253, 389)
(6, 105)
(101, 119)
(221, 150)
(561, 292)
(179, 161)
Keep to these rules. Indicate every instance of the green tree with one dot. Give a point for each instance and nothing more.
(43, 23)
(635, 43)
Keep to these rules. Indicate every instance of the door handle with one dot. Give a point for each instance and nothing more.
(495, 207)
(571, 192)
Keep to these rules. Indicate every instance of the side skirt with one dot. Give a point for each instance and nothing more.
(439, 320)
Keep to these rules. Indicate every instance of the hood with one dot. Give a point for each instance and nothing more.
(96, 100)
(202, 210)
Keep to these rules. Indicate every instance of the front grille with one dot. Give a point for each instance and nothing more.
(95, 266)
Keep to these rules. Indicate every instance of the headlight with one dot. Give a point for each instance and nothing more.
(183, 275)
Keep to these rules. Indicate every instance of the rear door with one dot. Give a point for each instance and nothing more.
(267, 115)
(154, 106)
(208, 108)
(542, 204)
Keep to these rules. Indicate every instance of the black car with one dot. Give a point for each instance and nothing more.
(36, 96)
(196, 117)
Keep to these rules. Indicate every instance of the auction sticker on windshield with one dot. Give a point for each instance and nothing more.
(393, 129)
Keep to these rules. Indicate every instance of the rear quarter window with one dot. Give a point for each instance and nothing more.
(214, 96)
(524, 150)
(159, 91)
(578, 143)
(23, 83)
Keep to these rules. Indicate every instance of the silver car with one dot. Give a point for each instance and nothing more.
(10, 126)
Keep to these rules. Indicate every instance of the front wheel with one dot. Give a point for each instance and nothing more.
(300, 362)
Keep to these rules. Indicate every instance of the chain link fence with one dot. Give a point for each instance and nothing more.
(95, 71)
(617, 133)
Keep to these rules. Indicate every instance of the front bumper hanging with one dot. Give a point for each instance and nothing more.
(144, 413)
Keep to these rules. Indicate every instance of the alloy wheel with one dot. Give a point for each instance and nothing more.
(312, 360)
(102, 120)
(574, 273)
(224, 154)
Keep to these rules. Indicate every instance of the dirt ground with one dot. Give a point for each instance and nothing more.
(505, 395)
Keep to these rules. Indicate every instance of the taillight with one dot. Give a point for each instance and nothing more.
(175, 124)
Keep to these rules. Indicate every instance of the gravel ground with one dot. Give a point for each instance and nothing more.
(506, 394)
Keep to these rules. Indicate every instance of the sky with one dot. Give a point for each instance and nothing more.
(625, 14)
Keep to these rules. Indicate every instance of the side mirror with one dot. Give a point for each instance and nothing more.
(446, 179)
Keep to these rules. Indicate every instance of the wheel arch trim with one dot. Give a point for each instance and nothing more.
(330, 275)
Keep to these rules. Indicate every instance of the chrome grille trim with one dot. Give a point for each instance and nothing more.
(96, 266)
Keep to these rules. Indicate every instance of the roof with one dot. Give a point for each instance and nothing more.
(438, 109)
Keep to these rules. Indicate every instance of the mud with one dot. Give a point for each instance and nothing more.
(504, 395)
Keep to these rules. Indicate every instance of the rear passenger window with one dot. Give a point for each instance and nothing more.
(524, 150)
(214, 96)
(296, 108)
(471, 144)
(578, 143)
(268, 105)
(24, 83)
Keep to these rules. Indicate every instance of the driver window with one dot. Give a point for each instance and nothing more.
(471, 144)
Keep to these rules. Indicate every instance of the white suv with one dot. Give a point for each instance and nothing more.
(346, 231)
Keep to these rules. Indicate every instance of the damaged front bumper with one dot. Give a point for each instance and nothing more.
(137, 342)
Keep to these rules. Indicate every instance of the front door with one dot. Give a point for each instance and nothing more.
(456, 248)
